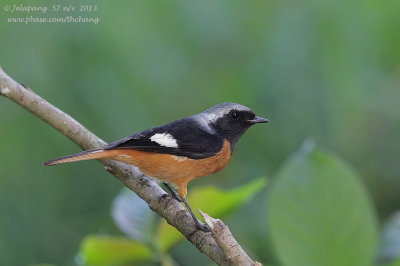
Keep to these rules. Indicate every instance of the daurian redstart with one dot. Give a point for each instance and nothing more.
(182, 150)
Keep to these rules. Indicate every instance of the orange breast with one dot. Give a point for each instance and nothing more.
(174, 169)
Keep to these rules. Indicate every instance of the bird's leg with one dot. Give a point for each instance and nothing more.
(199, 225)
(173, 192)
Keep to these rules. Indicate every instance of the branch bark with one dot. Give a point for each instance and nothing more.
(233, 252)
(160, 202)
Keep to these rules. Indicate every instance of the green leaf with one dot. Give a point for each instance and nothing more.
(320, 214)
(213, 201)
(394, 263)
(107, 250)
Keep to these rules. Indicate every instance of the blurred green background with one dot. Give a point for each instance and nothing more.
(329, 70)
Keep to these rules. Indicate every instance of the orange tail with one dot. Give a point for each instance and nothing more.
(85, 155)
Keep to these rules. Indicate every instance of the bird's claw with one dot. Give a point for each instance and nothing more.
(202, 227)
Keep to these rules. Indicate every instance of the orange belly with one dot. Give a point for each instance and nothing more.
(176, 170)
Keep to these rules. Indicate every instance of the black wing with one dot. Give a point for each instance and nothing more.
(192, 141)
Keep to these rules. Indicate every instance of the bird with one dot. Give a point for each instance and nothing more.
(180, 151)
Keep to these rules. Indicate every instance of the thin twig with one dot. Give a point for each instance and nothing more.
(225, 240)
(148, 190)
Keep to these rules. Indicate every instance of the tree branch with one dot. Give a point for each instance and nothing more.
(148, 190)
(234, 253)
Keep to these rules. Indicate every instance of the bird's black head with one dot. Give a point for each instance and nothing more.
(230, 120)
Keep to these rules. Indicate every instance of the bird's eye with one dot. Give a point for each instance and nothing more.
(235, 115)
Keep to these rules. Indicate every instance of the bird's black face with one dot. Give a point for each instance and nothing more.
(233, 124)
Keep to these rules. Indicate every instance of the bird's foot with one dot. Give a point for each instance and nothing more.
(202, 227)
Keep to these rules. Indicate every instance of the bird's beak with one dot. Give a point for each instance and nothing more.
(258, 119)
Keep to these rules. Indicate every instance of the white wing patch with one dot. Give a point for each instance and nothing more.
(165, 139)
